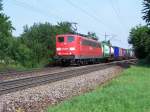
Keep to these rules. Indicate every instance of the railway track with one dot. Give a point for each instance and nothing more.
(9, 75)
(12, 72)
(24, 83)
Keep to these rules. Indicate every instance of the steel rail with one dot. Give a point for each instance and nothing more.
(24, 83)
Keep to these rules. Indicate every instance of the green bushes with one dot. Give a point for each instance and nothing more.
(140, 35)
(39, 41)
(140, 39)
(35, 46)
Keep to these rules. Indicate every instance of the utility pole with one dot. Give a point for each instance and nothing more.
(106, 36)
(110, 37)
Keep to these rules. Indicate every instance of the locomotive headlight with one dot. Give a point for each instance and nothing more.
(58, 49)
(72, 48)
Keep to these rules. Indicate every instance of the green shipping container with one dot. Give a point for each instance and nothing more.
(105, 49)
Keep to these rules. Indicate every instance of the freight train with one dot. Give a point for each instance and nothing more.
(78, 49)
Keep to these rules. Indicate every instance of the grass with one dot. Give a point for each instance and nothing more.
(5, 68)
(128, 93)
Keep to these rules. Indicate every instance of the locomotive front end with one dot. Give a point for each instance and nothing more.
(65, 48)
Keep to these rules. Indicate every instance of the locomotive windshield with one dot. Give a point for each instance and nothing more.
(70, 39)
(60, 39)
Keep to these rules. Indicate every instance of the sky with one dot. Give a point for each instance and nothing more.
(114, 18)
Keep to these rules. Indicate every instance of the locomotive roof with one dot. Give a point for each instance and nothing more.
(81, 35)
(68, 35)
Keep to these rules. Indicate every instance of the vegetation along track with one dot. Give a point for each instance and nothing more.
(23, 83)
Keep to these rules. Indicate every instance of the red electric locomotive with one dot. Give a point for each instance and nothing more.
(78, 49)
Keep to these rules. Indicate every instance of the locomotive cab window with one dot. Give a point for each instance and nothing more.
(70, 39)
(60, 39)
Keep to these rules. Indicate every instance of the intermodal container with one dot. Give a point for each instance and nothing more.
(116, 52)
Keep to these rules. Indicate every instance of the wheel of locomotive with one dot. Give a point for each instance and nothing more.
(65, 63)
(78, 62)
(68, 63)
(84, 62)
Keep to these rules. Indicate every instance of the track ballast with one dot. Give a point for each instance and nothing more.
(24, 83)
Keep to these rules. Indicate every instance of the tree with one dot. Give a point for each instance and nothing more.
(64, 27)
(40, 39)
(146, 11)
(139, 37)
(5, 34)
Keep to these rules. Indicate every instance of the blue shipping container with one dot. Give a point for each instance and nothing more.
(116, 52)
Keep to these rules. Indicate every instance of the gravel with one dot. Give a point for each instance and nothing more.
(37, 99)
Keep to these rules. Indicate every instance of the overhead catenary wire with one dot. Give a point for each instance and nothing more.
(114, 9)
(116, 12)
(92, 16)
(117, 6)
(89, 14)
(111, 35)
(45, 13)
(37, 10)
(119, 11)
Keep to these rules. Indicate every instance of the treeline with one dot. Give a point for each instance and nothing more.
(140, 35)
(34, 47)
(5, 36)
(140, 39)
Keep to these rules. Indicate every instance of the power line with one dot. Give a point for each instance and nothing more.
(118, 17)
(119, 11)
(112, 36)
(88, 14)
(117, 6)
(44, 13)
(116, 12)
(35, 9)
(93, 12)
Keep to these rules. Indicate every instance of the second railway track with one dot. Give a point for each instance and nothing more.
(24, 83)
(12, 74)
